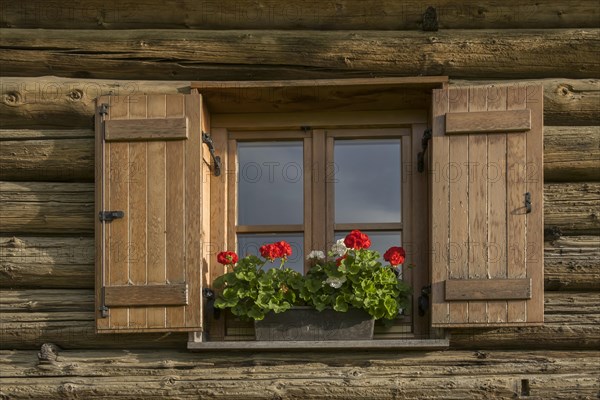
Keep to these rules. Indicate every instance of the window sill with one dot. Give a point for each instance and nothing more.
(398, 344)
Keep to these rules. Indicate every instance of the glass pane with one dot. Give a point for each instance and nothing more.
(367, 180)
(270, 183)
(249, 243)
(380, 241)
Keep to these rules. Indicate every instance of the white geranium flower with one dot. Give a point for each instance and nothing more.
(339, 248)
(316, 255)
(335, 282)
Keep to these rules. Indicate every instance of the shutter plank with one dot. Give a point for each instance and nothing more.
(439, 210)
(149, 295)
(117, 198)
(193, 210)
(535, 219)
(516, 240)
(459, 202)
(497, 216)
(146, 129)
(487, 289)
(157, 212)
(478, 200)
(175, 242)
(489, 121)
(137, 211)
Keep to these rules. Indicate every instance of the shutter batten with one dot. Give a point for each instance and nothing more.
(488, 122)
(146, 129)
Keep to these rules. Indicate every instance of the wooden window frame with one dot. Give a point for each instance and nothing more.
(385, 103)
(318, 149)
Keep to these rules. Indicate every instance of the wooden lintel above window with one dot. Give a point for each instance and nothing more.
(319, 94)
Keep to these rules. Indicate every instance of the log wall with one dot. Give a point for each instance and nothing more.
(85, 49)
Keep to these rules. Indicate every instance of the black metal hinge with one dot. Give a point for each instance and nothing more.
(211, 148)
(421, 155)
(107, 216)
(103, 109)
(423, 301)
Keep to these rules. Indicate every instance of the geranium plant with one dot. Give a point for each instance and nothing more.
(349, 276)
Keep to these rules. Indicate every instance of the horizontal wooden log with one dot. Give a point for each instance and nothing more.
(570, 154)
(570, 263)
(47, 207)
(57, 374)
(574, 208)
(63, 156)
(286, 14)
(66, 317)
(59, 102)
(67, 103)
(264, 54)
(67, 208)
(566, 101)
(50, 262)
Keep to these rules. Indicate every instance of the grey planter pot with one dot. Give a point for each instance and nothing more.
(306, 323)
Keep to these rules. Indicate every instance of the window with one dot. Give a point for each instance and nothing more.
(471, 221)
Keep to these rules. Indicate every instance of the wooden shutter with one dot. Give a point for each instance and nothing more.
(149, 166)
(486, 249)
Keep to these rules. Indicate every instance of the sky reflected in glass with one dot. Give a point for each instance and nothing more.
(367, 180)
(249, 243)
(270, 183)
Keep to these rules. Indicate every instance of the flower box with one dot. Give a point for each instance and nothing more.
(308, 324)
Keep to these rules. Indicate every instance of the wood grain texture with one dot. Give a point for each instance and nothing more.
(570, 263)
(62, 102)
(487, 289)
(285, 14)
(570, 154)
(495, 207)
(67, 208)
(488, 122)
(360, 375)
(137, 266)
(146, 130)
(66, 318)
(262, 54)
(572, 207)
(149, 295)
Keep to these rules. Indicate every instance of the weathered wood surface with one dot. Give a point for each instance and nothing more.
(28, 103)
(570, 154)
(574, 208)
(47, 207)
(66, 317)
(566, 101)
(286, 14)
(48, 262)
(68, 208)
(263, 54)
(53, 155)
(59, 102)
(570, 263)
(306, 375)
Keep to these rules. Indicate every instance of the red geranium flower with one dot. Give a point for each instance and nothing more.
(227, 258)
(357, 240)
(395, 255)
(285, 250)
